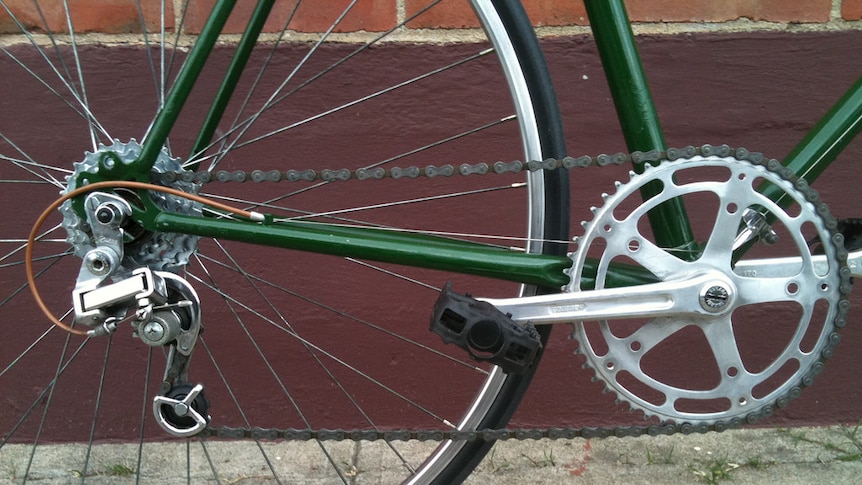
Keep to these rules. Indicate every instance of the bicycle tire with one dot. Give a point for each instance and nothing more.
(556, 227)
(497, 395)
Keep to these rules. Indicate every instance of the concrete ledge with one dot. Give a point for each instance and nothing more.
(788, 456)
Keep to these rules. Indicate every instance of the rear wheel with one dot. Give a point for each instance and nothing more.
(292, 340)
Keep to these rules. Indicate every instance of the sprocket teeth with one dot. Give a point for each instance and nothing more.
(162, 250)
(594, 231)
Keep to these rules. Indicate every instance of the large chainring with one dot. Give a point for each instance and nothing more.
(742, 362)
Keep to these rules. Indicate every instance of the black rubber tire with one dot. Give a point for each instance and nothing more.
(552, 140)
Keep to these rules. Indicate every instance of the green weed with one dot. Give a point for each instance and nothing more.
(714, 470)
(659, 459)
(848, 450)
(546, 460)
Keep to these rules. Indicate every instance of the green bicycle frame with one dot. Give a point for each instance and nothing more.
(639, 121)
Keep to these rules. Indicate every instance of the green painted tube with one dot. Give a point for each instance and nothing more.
(825, 141)
(183, 84)
(234, 72)
(636, 112)
(381, 246)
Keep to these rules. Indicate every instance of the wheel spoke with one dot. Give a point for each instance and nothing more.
(25, 165)
(326, 353)
(23, 242)
(269, 366)
(277, 96)
(387, 161)
(341, 313)
(238, 406)
(24, 285)
(223, 140)
(46, 391)
(269, 333)
(78, 106)
(345, 106)
(271, 100)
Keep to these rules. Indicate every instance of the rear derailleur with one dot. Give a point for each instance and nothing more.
(164, 311)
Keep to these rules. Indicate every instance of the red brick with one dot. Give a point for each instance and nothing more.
(457, 14)
(108, 16)
(316, 16)
(851, 9)
(714, 11)
(448, 14)
(555, 13)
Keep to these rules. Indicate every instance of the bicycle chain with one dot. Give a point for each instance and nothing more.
(431, 171)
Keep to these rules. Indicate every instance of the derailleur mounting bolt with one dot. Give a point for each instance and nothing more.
(153, 331)
(99, 262)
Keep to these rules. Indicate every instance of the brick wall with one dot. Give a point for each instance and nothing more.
(121, 16)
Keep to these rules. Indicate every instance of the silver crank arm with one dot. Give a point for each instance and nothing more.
(705, 294)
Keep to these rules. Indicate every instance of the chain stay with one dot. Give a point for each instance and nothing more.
(667, 428)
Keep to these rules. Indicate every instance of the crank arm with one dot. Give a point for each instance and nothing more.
(701, 294)
(774, 267)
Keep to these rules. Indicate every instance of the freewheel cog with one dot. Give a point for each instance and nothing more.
(770, 324)
(155, 250)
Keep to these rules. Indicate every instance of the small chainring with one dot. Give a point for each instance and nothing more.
(741, 363)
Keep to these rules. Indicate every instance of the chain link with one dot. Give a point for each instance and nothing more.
(466, 169)
(413, 172)
(291, 434)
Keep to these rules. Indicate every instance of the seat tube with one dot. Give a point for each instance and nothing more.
(637, 113)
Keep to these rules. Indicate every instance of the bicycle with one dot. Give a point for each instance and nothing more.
(152, 260)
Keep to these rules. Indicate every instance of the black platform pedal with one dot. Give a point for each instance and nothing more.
(486, 333)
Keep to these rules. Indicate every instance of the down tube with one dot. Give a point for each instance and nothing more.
(826, 140)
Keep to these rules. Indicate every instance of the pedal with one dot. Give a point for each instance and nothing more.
(487, 334)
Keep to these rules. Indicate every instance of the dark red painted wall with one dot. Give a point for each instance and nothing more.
(757, 90)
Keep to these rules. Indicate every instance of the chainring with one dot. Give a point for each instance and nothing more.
(743, 363)
(156, 250)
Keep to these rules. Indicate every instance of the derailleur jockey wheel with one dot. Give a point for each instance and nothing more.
(770, 322)
(183, 410)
